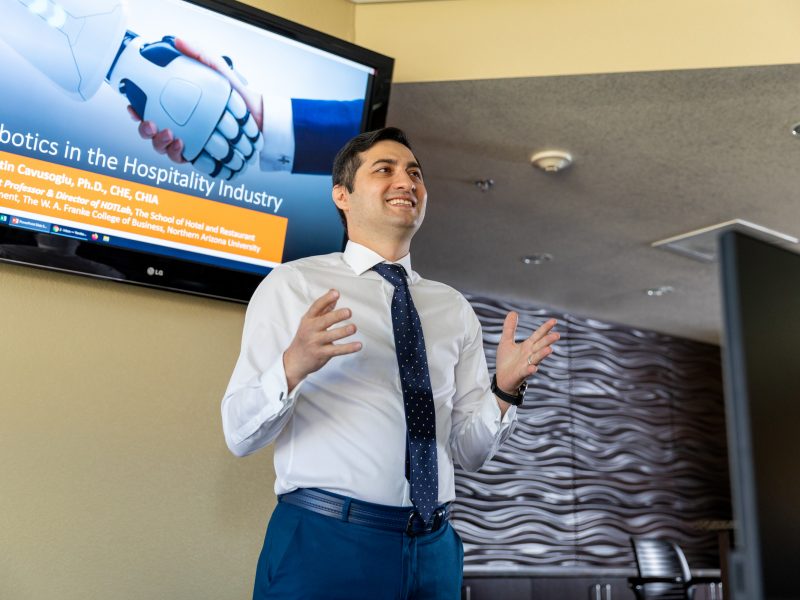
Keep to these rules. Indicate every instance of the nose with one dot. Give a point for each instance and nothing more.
(404, 181)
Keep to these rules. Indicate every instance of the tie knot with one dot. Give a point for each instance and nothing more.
(394, 274)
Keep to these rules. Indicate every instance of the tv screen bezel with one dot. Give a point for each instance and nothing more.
(198, 278)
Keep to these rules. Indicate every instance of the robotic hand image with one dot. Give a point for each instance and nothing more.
(79, 44)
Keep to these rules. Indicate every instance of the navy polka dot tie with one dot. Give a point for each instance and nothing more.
(421, 465)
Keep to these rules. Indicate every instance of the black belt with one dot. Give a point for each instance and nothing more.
(389, 518)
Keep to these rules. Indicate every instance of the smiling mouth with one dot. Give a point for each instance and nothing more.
(401, 202)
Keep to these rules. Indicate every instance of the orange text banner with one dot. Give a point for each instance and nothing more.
(93, 200)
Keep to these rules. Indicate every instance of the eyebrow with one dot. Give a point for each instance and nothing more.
(392, 161)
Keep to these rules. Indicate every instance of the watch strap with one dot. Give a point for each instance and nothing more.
(515, 399)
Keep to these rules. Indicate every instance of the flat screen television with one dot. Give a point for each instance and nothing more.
(260, 105)
(761, 347)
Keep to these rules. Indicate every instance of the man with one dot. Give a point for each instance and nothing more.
(367, 413)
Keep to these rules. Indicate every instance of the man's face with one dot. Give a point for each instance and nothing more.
(388, 197)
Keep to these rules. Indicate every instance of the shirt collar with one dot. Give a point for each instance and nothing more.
(361, 259)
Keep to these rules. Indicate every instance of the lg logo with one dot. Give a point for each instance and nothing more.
(155, 272)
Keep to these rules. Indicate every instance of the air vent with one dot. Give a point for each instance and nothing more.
(701, 244)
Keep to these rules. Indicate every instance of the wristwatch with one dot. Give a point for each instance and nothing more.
(515, 399)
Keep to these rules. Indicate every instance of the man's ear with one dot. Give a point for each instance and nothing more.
(340, 196)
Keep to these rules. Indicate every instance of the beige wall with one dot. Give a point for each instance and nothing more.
(114, 478)
(479, 39)
(334, 17)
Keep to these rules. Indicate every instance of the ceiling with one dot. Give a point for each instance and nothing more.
(656, 154)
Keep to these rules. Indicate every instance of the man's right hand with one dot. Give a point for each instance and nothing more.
(313, 344)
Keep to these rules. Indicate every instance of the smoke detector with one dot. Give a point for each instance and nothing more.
(551, 161)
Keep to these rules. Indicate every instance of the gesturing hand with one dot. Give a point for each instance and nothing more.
(313, 344)
(517, 362)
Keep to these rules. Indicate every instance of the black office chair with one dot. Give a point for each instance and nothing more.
(663, 572)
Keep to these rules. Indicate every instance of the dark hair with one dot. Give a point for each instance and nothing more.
(348, 159)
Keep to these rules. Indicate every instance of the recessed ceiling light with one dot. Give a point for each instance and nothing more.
(796, 129)
(537, 259)
(484, 185)
(661, 290)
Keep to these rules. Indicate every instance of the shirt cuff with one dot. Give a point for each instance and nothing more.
(491, 416)
(277, 399)
(510, 416)
(274, 379)
(278, 129)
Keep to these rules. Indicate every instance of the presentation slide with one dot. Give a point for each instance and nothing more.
(253, 191)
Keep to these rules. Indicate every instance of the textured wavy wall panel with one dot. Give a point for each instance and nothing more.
(622, 434)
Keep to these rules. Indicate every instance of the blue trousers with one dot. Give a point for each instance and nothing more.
(308, 556)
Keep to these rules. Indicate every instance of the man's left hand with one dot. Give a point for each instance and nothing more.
(518, 361)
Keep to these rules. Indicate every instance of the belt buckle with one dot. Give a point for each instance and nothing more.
(436, 522)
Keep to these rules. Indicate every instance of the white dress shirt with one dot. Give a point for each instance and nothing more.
(277, 153)
(343, 428)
